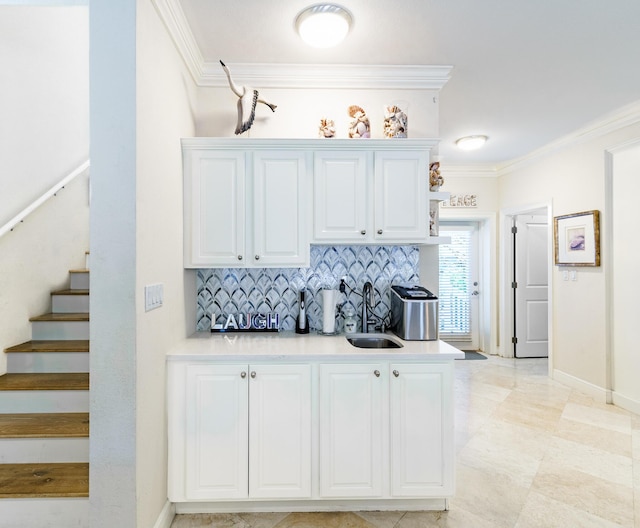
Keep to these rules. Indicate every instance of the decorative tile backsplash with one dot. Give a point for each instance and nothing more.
(268, 290)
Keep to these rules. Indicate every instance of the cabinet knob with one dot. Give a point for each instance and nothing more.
(396, 373)
(379, 231)
(257, 257)
(239, 257)
(363, 232)
(243, 374)
(377, 373)
(253, 373)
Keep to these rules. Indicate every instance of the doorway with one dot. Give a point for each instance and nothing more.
(525, 282)
(459, 285)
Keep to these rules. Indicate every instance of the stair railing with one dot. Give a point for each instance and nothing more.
(11, 224)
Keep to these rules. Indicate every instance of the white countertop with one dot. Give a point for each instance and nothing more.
(289, 346)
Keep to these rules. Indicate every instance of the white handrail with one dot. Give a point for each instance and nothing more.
(51, 192)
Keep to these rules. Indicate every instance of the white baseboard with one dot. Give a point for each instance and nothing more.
(626, 403)
(597, 393)
(166, 516)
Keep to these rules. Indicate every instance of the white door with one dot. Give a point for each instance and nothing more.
(214, 208)
(216, 432)
(280, 431)
(401, 208)
(351, 430)
(341, 202)
(531, 288)
(280, 209)
(421, 430)
(459, 286)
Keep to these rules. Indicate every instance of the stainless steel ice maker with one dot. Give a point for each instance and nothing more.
(414, 313)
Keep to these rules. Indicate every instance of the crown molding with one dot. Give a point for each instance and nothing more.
(622, 117)
(172, 15)
(456, 170)
(318, 76)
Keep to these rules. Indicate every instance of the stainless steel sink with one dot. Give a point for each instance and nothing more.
(373, 341)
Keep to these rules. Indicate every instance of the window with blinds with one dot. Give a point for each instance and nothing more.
(455, 280)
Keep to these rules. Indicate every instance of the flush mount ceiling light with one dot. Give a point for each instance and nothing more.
(323, 25)
(471, 142)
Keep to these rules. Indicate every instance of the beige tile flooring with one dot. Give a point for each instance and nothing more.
(531, 453)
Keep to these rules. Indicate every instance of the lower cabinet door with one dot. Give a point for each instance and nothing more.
(421, 424)
(352, 446)
(280, 431)
(216, 432)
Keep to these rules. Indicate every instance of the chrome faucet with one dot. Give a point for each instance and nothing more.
(367, 307)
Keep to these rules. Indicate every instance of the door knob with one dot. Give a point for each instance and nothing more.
(243, 374)
(239, 257)
(257, 257)
(253, 373)
(396, 373)
(377, 373)
(363, 232)
(379, 231)
(475, 292)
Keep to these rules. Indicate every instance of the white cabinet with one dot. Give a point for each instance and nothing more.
(386, 430)
(240, 431)
(352, 442)
(280, 431)
(371, 197)
(245, 208)
(421, 423)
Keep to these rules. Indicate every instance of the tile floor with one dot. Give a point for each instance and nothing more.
(531, 453)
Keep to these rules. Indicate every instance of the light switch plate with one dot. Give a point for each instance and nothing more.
(153, 296)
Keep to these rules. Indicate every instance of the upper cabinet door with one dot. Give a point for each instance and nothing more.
(341, 196)
(280, 226)
(401, 205)
(214, 208)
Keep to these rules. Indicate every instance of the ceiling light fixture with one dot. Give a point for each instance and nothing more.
(471, 142)
(323, 25)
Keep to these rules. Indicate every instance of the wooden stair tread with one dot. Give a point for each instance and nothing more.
(80, 345)
(44, 425)
(44, 480)
(84, 270)
(61, 317)
(70, 292)
(45, 381)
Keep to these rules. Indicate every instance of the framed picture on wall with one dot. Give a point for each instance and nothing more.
(577, 239)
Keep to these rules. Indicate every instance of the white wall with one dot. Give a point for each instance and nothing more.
(140, 107)
(165, 95)
(625, 289)
(299, 112)
(44, 99)
(572, 178)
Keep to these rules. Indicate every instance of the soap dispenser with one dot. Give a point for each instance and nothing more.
(302, 322)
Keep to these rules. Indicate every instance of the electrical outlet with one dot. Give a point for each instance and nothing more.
(153, 296)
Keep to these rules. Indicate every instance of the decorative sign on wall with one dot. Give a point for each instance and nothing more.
(246, 323)
(461, 200)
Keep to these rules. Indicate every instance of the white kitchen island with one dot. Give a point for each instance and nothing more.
(288, 422)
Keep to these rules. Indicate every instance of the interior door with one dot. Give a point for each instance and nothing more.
(531, 286)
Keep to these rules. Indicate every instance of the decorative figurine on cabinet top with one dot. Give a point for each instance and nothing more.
(248, 98)
(359, 127)
(327, 128)
(435, 179)
(395, 122)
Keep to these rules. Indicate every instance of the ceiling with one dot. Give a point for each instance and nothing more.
(525, 72)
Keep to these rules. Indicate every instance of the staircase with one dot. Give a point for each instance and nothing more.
(44, 418)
